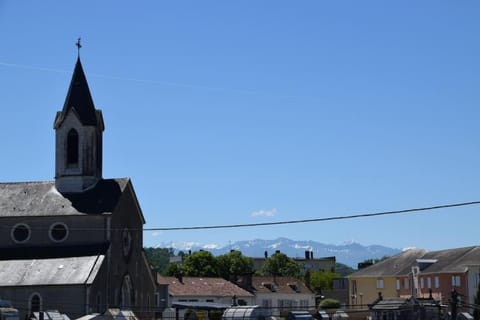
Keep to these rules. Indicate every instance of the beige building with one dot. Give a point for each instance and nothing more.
(366, 284)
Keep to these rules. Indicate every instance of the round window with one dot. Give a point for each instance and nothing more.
(58, 232)
(20, 233)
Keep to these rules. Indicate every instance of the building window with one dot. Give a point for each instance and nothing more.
(437, 282)
(304, 304)
(429, 283)
(422, 283)
(20, 233)
(380, 283)
(157, 300)
(72, 148)
(35, 303)
(58, 232)
(127, 293)
(398, 284)
(267, 303)
(456, 281)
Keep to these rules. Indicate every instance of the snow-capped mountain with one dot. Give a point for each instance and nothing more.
(350, 254)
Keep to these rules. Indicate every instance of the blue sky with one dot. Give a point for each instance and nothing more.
(227, 112)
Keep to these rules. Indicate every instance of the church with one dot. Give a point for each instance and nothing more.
(74, 244)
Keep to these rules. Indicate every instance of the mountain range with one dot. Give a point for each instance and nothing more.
(350, 254)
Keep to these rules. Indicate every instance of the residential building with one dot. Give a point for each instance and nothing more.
(279, 294)
(421, 274)
(199, 290)
(74, 244)
(381, 277)
(441, 272)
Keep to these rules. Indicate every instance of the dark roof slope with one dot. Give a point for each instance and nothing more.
(399, 264)
(80, 100)
(26, 199)
(452, 260)
(455, 260)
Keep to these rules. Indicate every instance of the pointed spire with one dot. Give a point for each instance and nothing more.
(79, 99)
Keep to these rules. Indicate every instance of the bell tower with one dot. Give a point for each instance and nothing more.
(78, 138)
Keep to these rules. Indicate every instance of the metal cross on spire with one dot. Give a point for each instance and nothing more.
(78, 46)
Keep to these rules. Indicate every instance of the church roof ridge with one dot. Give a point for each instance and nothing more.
(53, 181)
(27, 182)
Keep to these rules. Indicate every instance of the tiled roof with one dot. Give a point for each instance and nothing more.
(202, 286)
(441, 261)
(452, 260)
(399, 264)
(268, 284)
(25, 199)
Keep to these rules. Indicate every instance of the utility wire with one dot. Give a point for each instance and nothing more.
(260, 224)
(355, 216)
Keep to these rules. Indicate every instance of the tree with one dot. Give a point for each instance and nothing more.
(200, 264)
(159, 258)
(329, 304)
(281, 265)
(173, 270)
(234, 264)
(343, 270)
(322, 280)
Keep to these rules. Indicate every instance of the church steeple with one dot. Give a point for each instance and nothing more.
(79, 98)
(78, 134)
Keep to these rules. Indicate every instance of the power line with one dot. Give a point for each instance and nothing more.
(355, 216)
(260, 224)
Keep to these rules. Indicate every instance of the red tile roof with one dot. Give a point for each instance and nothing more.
(279, 284)
(200, 286)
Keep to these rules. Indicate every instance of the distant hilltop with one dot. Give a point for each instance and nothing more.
(350, 254)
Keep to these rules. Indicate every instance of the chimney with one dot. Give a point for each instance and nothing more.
(307, 255)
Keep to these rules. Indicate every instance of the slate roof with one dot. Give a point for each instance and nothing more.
(455, 260)
(268, 284)
(202, 286)
(60, 271)
(80, 100)
(452, 260)
(392, 304)
(27, 199)
(399, 264)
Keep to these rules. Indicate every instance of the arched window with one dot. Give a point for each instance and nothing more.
(72, 148)
(127, 292)
(35, 303)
